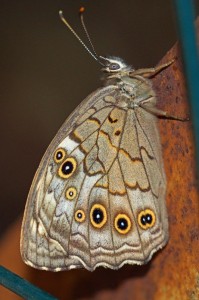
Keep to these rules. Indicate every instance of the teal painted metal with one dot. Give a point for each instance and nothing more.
(22, 287)
(185, 16)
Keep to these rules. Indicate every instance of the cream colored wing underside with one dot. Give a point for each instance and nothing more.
(119, 167)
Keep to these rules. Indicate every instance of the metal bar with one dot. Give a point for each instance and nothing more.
(185, 16)
(22, 287)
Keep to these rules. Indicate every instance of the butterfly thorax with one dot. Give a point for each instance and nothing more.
(131, 88)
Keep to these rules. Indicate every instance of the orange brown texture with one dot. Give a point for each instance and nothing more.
(173, 273)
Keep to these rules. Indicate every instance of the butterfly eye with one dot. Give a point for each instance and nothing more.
(59, 155)
(146, 219)
(71, 193)
(122, 223)
(98, 215)
(114, 67)
(67, 168)
(80, 216)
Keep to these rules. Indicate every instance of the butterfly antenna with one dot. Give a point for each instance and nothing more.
(93, 54)
(81, 12)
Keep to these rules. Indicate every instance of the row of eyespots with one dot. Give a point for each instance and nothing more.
(122, 222)
(68, 165)
(98, 215)
(146, 218)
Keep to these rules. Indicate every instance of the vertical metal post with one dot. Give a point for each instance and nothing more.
(185, 16)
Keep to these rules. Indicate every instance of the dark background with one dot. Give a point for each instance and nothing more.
(45, 73)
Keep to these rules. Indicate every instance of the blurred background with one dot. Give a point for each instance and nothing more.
(45, 73)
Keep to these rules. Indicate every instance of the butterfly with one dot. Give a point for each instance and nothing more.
(98, 196)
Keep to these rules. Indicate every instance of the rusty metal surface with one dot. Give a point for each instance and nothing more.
(173, 273)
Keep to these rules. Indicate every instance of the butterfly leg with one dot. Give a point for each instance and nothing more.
(148, 72)
(161, 113)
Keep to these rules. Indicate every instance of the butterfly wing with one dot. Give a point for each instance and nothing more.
(37, 247)
(128, 188)
(98, 195)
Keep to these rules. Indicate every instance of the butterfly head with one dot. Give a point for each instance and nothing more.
(113, 65)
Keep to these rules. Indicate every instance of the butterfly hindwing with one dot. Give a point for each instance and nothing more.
(98, 195)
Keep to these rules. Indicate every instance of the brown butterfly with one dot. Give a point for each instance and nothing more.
(98, 196)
